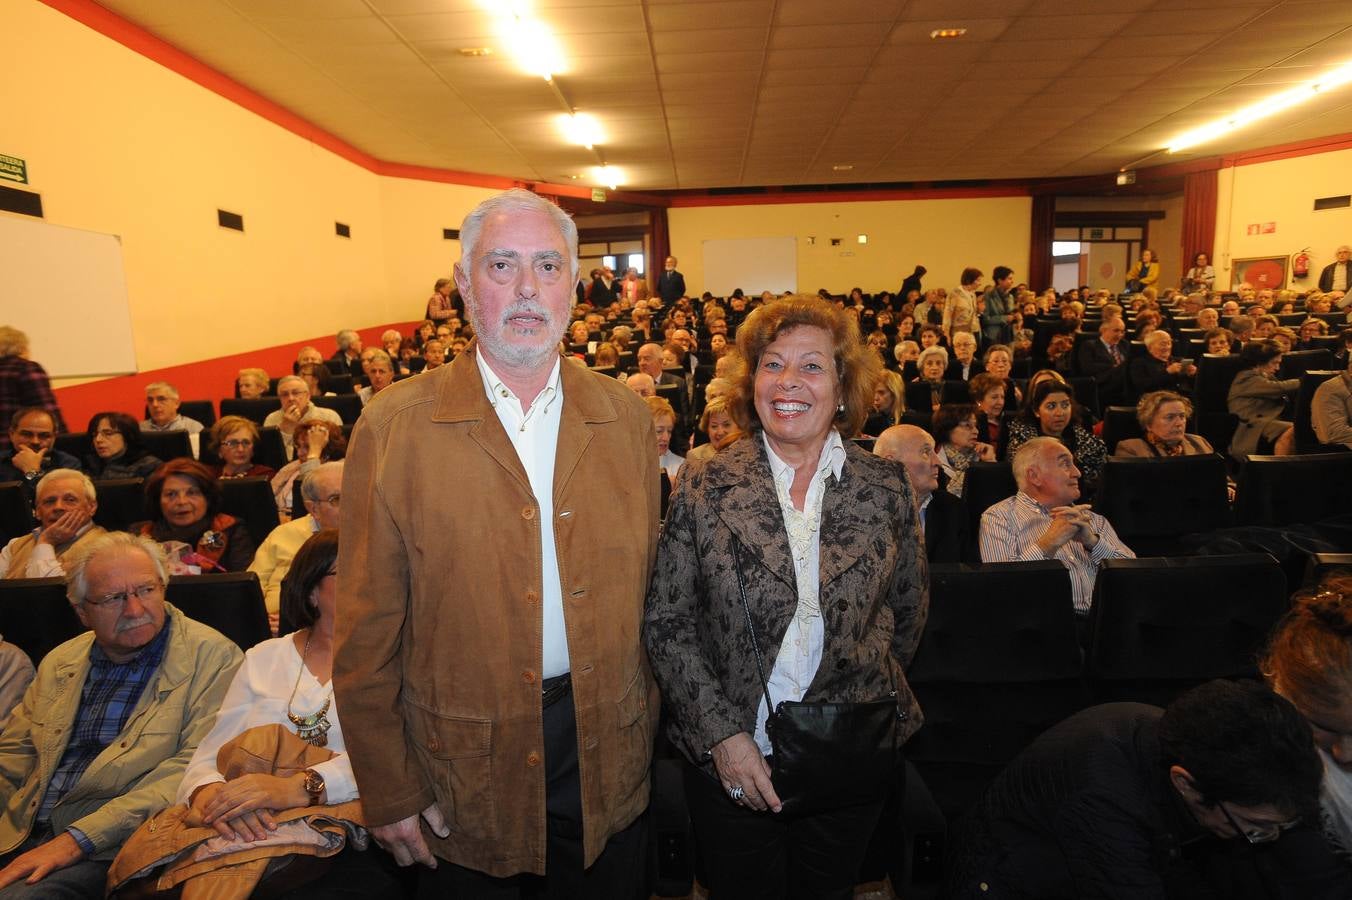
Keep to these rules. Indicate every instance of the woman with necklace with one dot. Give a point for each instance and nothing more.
(286, 681)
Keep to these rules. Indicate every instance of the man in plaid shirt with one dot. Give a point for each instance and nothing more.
(104, 732)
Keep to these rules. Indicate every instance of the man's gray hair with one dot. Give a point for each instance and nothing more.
(163, 386)
(345, 338)
(57, 474)
(516, 199)
(1028, 455)
(309, 486)
(287, 379)
(77, 561)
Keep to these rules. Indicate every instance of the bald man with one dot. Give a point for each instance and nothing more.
(943, 517)
(642, 384)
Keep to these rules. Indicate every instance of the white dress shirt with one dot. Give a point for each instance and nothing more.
(534, 433)
(800, 653)
(259, 695)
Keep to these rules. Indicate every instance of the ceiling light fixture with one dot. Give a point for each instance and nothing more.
(609, 175)
(939, 34)
(581, 128)
(842, 167)
(1262, 109)
(476, 51)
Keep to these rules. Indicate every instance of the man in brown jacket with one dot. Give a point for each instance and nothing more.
(498, 702)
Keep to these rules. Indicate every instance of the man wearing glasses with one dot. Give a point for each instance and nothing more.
(32, 436)
(321, 490)
(104, 732)
(1215, 796)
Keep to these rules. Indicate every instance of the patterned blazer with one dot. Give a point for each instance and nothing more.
(873, 596)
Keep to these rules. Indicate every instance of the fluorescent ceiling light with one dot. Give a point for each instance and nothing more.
(1263, 108)
(609, 175)
(581, 128)
(529, 40)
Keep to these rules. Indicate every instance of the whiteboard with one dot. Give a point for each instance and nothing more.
(65, 288)
(752, 264)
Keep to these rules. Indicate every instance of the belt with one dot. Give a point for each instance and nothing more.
(555, 689)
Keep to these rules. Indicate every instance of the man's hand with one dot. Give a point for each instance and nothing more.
(740, 764)
(65, 528)
(290, 417)
(404, 841)
(1065, 527)
(27, 460)
(41, 861)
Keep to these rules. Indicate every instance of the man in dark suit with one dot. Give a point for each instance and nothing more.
(670, 284)
(943, 517)
(1104, 359)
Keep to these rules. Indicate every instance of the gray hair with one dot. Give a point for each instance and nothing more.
(345, 338)
(287, 379)
(163, 386)
(1028, 455)
(308, 486)
(56, 474)
(78, 559)
(1156, 337)
(381, 356)
(517, 199)
(936, 350)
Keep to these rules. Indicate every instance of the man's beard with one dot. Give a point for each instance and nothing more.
(518, 356)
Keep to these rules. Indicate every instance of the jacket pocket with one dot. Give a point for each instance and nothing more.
(633, 744)
(457, 753)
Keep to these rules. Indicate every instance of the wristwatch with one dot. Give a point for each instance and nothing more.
(314, 786)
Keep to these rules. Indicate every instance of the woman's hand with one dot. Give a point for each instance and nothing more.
(984, 452)
(740, 764)
(318, 439)
(243, 807)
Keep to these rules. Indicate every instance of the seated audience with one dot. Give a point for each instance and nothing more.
(1051, 411)
(964, 364)
(316, 377)
(78, 771)
(943, 518)
(162, 402)
(932, 336)
(932, 364)
(321, 491)
(294, 392)
(116, 439)
(717, 423)
(889, 402)
(642, 384)
(1259, 398)
(1164, 419)
(1286, 339)
(32, 453)
(347, 358)
(1157, 369)
(989, 393)
(955, 434)
(1128, 800)
(434, 354)
(1219, 341)
(408, 362)
(664, 424)
(65, 507)
(252, 383)
(23, 382)
(233, 440)
(1331, 409)
(307, 356)
(390, 341)
(1042, 521)
(317, 441)
(1308, 660)
(1208, 318)
(1105, 360)
(183, 499)
(379, 375)
(1242, 328)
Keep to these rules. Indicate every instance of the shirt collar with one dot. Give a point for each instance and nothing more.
(832, 457)
(924, 504)
(1029, 501)
(498, 390)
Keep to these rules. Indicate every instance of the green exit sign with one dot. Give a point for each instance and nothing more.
(13, 169)
(598, 195)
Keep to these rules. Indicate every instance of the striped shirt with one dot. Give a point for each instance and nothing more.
(1010, 529)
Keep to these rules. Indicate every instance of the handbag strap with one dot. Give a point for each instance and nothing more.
(751, 627)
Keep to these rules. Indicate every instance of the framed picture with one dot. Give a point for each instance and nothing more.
(1260, 271)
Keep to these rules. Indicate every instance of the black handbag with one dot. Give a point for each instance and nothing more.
(827, 755)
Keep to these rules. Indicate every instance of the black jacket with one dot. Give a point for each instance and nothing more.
(946, 529)
(1326, 276)
(1093, 359)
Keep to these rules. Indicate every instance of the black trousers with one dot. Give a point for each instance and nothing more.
(749, 854)
(619, 873)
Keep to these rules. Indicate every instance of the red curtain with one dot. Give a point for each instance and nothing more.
(661, 245)
(1199, 216)
(1040, 242)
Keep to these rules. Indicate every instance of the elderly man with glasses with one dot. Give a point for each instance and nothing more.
(103, 734)
(322, 491)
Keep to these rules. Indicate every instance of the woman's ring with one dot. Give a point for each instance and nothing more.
(736, 793)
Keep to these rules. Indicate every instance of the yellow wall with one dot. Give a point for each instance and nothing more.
(944, 236)
(118, 144)
(1283, 192)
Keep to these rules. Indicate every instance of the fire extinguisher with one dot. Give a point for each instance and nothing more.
(1300, 264)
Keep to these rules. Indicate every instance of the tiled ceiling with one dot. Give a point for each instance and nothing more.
(730, 93)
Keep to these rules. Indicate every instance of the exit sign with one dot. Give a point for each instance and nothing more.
(598, 195)
(13, 169)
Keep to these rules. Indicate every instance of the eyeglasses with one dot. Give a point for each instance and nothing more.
(237, 443)
(107, 433)
(331, 499)
(1258, 834)
(119, 599)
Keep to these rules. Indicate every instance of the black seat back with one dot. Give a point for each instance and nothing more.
(167, 445)
(348, 406)
(1285, 490)
(16, 515)
(253, 410)
(251, 500)
(35, 615)
(1120, 424)
(986, 484)
(231, 603)
(1297, 362)
(203, 411)
(122, 501)
(1152, 502)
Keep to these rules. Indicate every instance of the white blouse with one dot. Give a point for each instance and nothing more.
(258, 696)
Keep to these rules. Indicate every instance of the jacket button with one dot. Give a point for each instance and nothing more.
(528, 676)
(528, 513)
(841, 664)
(532, 759)
(532, 597)
(433, 744)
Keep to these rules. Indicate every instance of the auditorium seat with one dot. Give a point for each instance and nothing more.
(253, 410)
(998, 664)
(1086, 392)
(167, 445)
(986, 484)
(348, 406)
(122, 501)
(1320, 565)
(203, 411)
(1120, 424)
(1151, 503)
(231, 603)
(16, 515)
(35, 615)
(1286, 490)
(251, 500)
(270, 450)
(1212, 415)
(76, 443)
(1158, 626)
(1299, 361)
(1306, 440)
